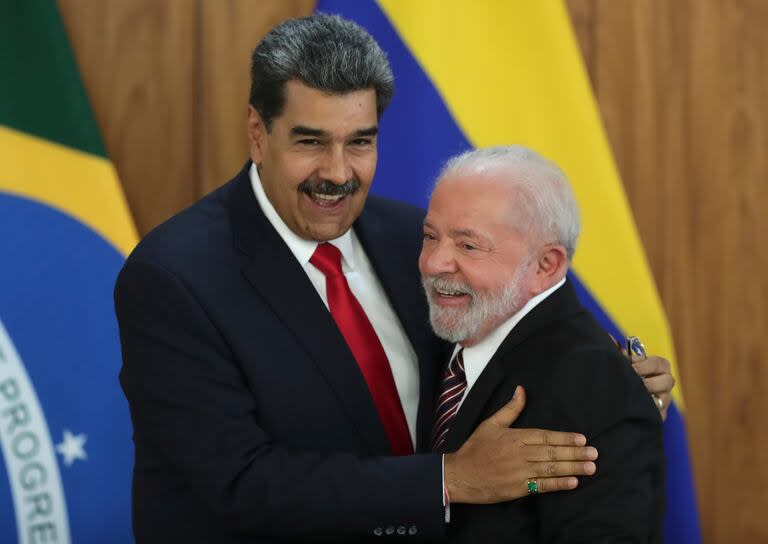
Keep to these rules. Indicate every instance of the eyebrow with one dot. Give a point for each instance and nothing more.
(468, 233)
(301, 130)
(370, 131)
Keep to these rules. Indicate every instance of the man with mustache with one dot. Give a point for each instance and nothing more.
(499, 236)
(277, 357)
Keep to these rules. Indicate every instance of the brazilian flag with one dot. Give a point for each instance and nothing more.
(64, 231)
(475, 73)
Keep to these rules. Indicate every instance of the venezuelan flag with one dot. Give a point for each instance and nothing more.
(64, 231)
(473, 74)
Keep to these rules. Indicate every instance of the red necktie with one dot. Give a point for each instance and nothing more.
(451, 392)
(365, 346)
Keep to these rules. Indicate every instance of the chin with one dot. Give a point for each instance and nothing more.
(326, 232)
(451, 326)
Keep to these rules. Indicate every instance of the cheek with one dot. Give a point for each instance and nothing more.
(422, 261)
(364, 168)
(294, 169)
(483, 278)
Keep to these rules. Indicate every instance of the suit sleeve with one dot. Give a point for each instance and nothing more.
(623, 502)
(191, 409)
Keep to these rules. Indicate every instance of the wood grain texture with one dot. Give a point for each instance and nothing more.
(138, 61)
(682, 89)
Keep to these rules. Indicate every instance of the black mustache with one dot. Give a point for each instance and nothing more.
(325, 187)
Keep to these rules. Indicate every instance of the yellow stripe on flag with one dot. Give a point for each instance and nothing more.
(82, 185)
(510, 72)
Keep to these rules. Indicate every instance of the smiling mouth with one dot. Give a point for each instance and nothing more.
(326, 201)
(450, 292)
(327, 194)
(322, 197)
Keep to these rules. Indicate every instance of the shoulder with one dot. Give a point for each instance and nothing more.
(388, 210)
(582, 378)
(193, 235)
(597, 385)
(193, 250)
(396, 221)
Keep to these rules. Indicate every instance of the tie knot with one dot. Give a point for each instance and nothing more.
(327, 259)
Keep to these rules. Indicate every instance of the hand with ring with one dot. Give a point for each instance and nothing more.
(656, 373)
(533, 486)
(498, 463)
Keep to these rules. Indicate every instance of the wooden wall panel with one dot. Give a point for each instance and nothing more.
(683, 89)
(138, 61)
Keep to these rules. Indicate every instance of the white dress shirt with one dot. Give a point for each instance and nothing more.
(367, 289)
(476, 357)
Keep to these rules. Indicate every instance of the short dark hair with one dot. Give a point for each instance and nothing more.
(325, 52)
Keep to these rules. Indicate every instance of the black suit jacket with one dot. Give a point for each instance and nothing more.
(252, 421)
(576, 381)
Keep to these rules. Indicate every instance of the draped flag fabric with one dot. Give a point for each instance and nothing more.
(64, 230)
(490, 72)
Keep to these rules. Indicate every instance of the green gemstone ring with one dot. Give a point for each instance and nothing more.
(533, 487)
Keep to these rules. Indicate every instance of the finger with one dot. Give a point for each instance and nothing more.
(663, 401)
(651, 366)
(507, 414)
(659, 384)
(560, 453)
(634, 357)
(666, 400)
(548, 485)
(619, 346)
(534, 437)
(563, 468)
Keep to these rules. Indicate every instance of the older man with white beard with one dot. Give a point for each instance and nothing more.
(499, 236)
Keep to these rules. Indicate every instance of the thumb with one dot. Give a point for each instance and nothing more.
(507, 414)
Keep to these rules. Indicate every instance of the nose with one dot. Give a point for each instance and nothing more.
(335, 167)
(437, 258)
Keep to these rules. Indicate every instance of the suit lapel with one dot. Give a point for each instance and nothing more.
(272, 270)
(407, 299)
(559, 305)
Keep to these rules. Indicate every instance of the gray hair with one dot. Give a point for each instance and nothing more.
(325, 52)
(545, 201)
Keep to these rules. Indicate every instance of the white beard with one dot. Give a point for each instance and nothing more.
(460, 324)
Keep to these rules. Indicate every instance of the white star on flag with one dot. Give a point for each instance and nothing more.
(71, 447)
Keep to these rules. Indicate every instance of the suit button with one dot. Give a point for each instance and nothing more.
(412, 530)
(390, 530)
(378, 531)
(401, 530)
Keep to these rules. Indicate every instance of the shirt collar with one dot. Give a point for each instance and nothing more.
(301, 248)
(477, 356)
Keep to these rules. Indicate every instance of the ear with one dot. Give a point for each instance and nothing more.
(550, 268)
(257, 135)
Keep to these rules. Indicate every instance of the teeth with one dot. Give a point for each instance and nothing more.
(327, 198)
(448, 293)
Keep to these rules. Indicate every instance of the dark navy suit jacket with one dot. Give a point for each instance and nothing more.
(575, 381)
(252, 421)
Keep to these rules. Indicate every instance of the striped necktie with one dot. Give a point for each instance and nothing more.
(452, 390)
